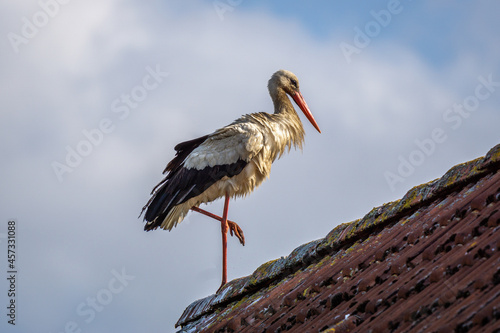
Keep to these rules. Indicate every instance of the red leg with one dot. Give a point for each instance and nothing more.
(233, 227)
(225, 226)
(224, 229)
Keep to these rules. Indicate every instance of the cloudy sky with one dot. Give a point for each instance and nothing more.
(96, 94)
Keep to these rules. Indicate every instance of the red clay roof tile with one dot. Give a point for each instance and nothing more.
(426, 263)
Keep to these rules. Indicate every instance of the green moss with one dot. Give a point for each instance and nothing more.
(329, 330)
(266, 270)
(494, 154)
(351, 248)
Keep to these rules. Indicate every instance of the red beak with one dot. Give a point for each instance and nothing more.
(297, 97)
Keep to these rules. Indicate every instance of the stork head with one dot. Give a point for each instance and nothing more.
(289, 83)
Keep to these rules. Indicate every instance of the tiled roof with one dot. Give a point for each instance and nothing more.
(426, 263)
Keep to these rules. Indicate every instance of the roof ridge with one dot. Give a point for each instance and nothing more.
(344, 234)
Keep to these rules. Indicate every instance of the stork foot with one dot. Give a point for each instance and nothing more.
(234, 228)
(221, 286)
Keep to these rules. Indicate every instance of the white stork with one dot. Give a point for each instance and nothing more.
(230, 162)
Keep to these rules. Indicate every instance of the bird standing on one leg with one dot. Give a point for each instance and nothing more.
(230, 162)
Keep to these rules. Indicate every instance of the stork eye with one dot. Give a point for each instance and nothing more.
(294, 83)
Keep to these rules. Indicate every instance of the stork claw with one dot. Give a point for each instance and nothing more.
(234, 228)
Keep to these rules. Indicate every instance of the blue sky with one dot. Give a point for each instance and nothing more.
(328, 19)
(95, 96)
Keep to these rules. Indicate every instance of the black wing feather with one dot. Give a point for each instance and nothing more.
(182, 184)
